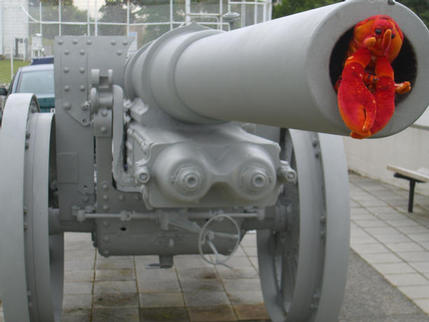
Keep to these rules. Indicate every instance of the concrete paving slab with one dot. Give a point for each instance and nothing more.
(416, 291)
(212, 313)
(422, 256)
(112, 287)
(172, 314)
(245, 297)
(78, 276)
(81, 316)
(157, 280)
(203, 297)
(423, 304)
(75, 303)
(78, 288)
(422, 267)
(405, 247)
(408, 279)
(425, 245)
(157, 300)
(116, 299)
(122, 274)
(370, 248)
(254, 312)
(381, 258)
(115, 315)
(420, 237)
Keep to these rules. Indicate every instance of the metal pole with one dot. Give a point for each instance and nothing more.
(220, 14)
(96, 19)
(40, 20)
(188, 11)
(255, 13)
(171, 15)
(11, 58)
(59, 17)
(128, 17)
(243, 15)
(88, 26)
(264, 12)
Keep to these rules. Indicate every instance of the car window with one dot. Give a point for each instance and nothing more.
(40, 82)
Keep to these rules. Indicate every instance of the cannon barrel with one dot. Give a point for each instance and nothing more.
(278, 73)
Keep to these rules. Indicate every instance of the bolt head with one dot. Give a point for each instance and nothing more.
(189, 179)
(255, 179)
(143, 175)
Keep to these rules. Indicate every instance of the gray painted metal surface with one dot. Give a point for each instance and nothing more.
(31, 282)
(44, 250)
(13, 281)
(74, 59)
(220, 76)
(149, 162)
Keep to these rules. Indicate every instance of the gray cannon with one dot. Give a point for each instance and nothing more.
(187, 145)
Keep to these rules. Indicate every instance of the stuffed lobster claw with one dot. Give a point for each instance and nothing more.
(366, 90)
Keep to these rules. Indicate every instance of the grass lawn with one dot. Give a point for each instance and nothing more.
(5, 69)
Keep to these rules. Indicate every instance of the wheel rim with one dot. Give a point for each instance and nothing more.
(38, 261)
(298, 268)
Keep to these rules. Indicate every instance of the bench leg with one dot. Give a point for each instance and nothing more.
(411, 195)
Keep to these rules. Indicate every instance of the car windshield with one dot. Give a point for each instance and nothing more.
(40, 82)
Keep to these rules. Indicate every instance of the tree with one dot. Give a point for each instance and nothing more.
(288, 7)
(113, 11)
(420, 7)
(69, 13)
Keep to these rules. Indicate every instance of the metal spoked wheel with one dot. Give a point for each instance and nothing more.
(303, 262)
(31, 258)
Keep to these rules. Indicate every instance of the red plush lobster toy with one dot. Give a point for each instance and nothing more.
(366, 90)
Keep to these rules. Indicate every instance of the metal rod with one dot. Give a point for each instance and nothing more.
(171, 15)
(88, 26)
(411, 195)
(187, 11)
(264, 12)
(41, 24)
(96, 19)
(220, 13)
(255, 14)
(129, 215)
(59, 17)
(247, 3)
(243, 15)
(11, 58)
(128, 17)
(178, 23)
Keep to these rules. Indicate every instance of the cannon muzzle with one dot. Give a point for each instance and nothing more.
(279, 73)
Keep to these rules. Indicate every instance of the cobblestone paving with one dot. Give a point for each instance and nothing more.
(393, 242)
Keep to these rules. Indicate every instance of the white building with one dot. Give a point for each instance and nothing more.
(14, 28)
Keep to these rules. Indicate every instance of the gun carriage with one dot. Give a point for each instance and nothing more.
(196, 139)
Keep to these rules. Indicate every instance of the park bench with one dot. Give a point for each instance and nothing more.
(413, 176)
